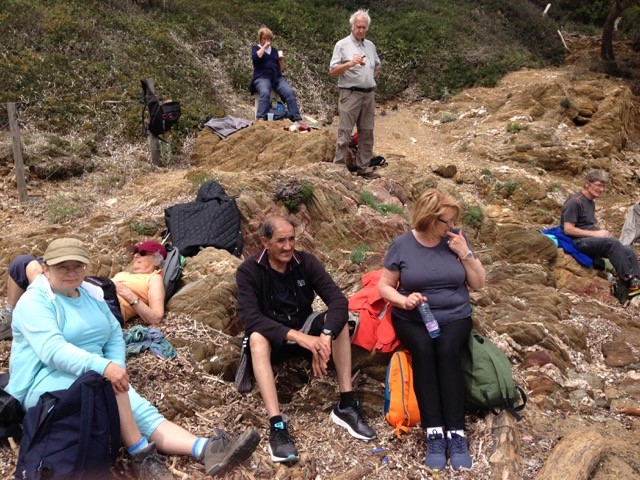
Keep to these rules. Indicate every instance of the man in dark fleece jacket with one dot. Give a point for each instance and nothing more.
(276, 288)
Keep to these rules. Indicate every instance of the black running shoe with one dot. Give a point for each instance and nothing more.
(282, 446)
(354, 421)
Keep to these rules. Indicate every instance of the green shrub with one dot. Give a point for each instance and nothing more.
(66, 207)
(514, 127)
(358, 255)
(147, 229)
(553, 186)
(306, 192)
(197, 178)
(487, 173)
(111, 181)
(448, 117)
(506, 188)
(542, 213)
(474, 216)
(292, 193)
(367, 198)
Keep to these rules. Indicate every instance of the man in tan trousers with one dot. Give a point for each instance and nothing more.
(356, 64)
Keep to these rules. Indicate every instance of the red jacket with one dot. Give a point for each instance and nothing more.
(375, 330)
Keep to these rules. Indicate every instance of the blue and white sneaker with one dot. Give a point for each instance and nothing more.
(436, 458)
(282, 445)
(458, 452)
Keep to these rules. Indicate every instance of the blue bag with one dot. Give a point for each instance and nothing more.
(71, 434)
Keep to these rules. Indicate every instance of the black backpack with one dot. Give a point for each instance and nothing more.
(71, 434)
(162, 115)
(110, 295)
(11, 413)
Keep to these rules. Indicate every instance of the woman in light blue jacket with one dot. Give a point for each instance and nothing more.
(62, 328)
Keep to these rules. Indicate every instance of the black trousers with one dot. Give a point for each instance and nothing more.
(438, 379)
(622, 258)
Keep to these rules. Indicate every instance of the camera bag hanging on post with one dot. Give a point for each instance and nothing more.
(162, 114)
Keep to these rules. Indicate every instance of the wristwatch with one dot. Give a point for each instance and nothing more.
(326, 331)
(135, 302)
(468, 256)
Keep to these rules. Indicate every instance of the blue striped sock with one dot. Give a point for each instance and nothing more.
(139, 445)
(198, 447)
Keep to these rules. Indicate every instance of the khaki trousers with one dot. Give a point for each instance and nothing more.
(356, 108)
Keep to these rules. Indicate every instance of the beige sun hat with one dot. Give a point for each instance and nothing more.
(63, 249)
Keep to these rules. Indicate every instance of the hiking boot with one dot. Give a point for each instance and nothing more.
(436, 458)
(221, 454)
(281, 444)
(354, 421)
(458, 452)
(634, 286)
(5, 325)
(368, 174)
(148, 465)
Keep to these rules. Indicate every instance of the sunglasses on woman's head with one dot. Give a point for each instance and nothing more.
(142, 253)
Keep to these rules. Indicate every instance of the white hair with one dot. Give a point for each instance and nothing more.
(158, 259)
(359, 13)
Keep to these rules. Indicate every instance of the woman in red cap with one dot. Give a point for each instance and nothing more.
(141, 292)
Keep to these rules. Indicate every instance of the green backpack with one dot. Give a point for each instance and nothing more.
(489, 379)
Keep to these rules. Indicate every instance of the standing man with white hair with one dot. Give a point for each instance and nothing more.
(356, 64)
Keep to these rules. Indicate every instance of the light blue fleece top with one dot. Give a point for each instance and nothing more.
(56, 339)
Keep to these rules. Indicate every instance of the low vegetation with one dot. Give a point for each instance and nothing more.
(473, 216)
(358, 255)
(514, 127)
(367, 198)
(506, 188)
(65, 207)
(293, 194)
(75, 65)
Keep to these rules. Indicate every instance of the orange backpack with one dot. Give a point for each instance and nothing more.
(400, 404)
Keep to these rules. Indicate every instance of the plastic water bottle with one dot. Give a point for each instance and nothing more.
(429, 320)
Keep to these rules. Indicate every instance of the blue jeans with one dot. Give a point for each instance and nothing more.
(263, 86)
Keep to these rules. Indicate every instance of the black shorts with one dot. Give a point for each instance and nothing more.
(285, 350)
(18, 269)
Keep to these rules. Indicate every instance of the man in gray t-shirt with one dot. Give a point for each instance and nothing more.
(578, 221)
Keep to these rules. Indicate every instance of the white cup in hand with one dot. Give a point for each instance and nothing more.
(281, 53)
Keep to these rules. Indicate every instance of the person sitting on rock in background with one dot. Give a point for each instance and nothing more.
(48, 355)
(435, 263)
(276, 289)
(140, 293)
(268, 65)
(578, 221)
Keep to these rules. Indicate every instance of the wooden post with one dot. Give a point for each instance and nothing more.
(575, 456)
(17, 151)
(506, 457)
(154, 142)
